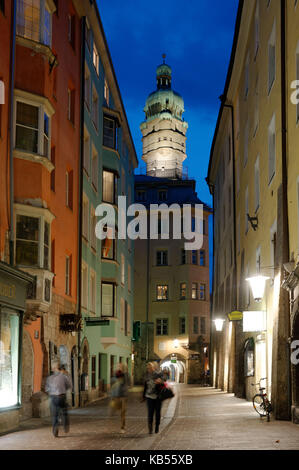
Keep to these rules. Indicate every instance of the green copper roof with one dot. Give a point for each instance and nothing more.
(164, 70)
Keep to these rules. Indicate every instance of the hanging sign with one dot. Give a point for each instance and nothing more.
(235, 316)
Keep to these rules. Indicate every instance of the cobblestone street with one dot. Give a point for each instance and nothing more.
(197, 418)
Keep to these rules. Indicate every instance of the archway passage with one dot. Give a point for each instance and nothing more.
(176, 370)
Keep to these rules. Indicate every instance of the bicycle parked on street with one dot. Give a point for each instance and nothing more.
(261, 403)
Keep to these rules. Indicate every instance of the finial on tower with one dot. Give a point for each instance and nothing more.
(164, 57)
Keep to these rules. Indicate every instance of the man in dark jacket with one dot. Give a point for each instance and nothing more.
(152, 386)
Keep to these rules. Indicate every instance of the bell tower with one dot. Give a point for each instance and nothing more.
(164, 129)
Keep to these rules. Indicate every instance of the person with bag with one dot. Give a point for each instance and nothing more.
(120, 392)
(152, 387)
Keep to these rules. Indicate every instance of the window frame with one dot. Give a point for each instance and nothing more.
(105, 283)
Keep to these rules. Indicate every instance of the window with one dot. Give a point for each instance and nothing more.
(202, 258)
(34, 21)
(88, 37)
(194, 257)
(272, 148)
(94, 168)
(87, 86)
(109, 133)
(184, 257)
(162, 292)
(53, 174)
(69, 176)
(93, 223)
(32, 129)
(246, 210)
(257, 183)
(249, 358)
(85, 221)
(9, 353)
(246, 143)
(108, 299)
(95, 109)
(93, 371)
(182, 325)
(194, 291)
(162, 258)
(162, 195)
(247, 76)
(162, 327)
(183, 291)
(71, 30)
(202, 292)
(86, 156)
(96, 59)
(122, 269)
(84, 286)
(129, 278)
(109, 246)
(203, 325)
(106, 93)
(195, 325)
(71, 105)
(256, 30)
(109, 186)
(271, 59)
(32, 241)
(68, 275)
(92, 292)
(2, 6)
(141, 196)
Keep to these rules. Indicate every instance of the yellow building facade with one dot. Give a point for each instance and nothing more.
(257, 109)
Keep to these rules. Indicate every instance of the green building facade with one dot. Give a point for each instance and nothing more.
(107, 267)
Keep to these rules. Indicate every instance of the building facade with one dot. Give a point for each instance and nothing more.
(258, 117)
(107, 266)
(171, 284)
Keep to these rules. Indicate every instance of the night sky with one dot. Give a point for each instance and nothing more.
(197, 37)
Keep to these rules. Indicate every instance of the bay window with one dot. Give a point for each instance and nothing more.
(108, 299)
(32, 129)
(34, 20)
(32, 241)
(109, 186)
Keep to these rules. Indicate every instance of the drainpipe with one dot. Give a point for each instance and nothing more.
(80, 200)
(286, 249)
(11, 133)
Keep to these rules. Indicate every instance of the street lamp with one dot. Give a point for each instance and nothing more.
(219, 324)
(257, 284)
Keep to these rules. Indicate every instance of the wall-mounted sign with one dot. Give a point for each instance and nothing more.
(235, 316)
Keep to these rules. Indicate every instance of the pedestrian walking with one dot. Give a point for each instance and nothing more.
(119, 393)
(152, 386)
(56, 386)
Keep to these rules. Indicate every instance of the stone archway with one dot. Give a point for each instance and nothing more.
(27, 376)
(177, 370)
(295, 374)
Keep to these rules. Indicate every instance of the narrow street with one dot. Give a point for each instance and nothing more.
(196, 419)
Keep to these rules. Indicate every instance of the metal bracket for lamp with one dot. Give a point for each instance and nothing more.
(253, 222)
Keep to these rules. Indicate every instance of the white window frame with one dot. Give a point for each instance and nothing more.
(44, 216)
(86, 151)
(87, 87)
(42, 110)
(94, 168)
(48, 5)
(84, 286)
(271, 67)
(85, 217)
(93, 291)
(96, 58)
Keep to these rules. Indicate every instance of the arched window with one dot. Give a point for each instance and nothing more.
(249, 358)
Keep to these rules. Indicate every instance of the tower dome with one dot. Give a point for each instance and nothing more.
(164, 130)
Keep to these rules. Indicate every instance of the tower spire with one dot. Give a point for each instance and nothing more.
(164, 57)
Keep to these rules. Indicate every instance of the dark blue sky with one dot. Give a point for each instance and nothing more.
(197, 37)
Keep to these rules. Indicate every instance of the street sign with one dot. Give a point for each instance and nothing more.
(94, 321)
(235, 316)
